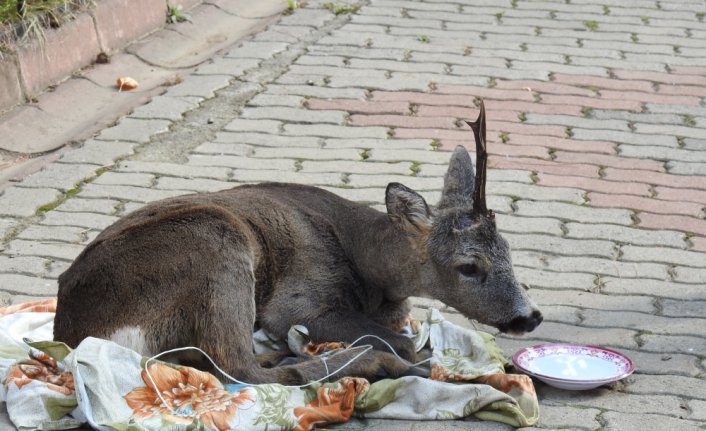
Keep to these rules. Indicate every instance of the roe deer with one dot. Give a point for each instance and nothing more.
(205, 269)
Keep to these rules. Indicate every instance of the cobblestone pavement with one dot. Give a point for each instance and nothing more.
(597, 130)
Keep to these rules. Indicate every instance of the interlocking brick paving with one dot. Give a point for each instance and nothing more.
(597, 142)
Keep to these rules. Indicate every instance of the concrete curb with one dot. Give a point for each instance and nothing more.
(30, 68)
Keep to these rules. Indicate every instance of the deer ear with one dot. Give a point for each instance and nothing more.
(407, 209)
(459, 180)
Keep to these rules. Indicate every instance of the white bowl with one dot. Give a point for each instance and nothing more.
(573, 366)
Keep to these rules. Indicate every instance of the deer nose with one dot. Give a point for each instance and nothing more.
(522, 324)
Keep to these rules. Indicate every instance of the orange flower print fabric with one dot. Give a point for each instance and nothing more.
(193, 396)
(332, 404)
(42, 368)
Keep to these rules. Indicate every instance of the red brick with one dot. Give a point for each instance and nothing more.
(546, 166)
(672, 222)
(609, 83)
(684, 90)
(462, 134)
(669, 78)
(71, 46)
(594, 184)
(689, 70)
(119, 21)
(601, 147)
(359, 106)
(499, 149)
(486, 93)
(608, 160)
(698, 243)
(593, 102)
(656, 178)
(644, 204)
(422, 98)
(403, 121)
(681, 194)
(649, 98)
(544, 87)
(463, 113)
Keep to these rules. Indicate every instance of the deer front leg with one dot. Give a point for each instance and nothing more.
(350, 326)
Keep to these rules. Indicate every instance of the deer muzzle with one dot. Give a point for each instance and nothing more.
(521, 324)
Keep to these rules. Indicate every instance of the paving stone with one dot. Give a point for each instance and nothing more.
(200, 86)
(661, 153)
(307, 154)
(362, 167)
(436, 157)
(573, 212)
(314, 91)
(415, 183)
(98, 152)
(569, 417)
(596, 265)
(334, 131)
(626, 235)
(254, 176)
(127, 193)
(670, 307)
(597, 301)
(53, 233)
(24, 202)
(28, 265)
(193, 184)
(656, 288)
(647, 422)
(397, 144)
(652, 139)
(248, 125)
(666, 385)
(227, 66)
(296, 115)
(538, 278)
(570, 333)
(85, 220)
(698, 410)
(27, 285)
(100, 206)
(47, 249)
(662, 254)
(134, 130)
(645, 321)
(673, 343)
(7, 226)
(166, 108)
(607, 399)
(260, 139)
(534, 193)
(60, 176)
(689, 275)
(523, 225)
(242, 162)
(684, 168)
(562, 246)
(126, 179)
(172, 169)
(253, 49)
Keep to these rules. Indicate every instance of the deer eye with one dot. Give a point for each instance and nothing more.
(469, 270)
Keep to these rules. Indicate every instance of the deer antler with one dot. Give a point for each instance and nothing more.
(481, 162)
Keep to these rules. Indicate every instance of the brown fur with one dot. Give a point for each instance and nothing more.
(205, 269)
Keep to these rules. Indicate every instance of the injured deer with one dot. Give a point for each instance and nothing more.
(204, 269)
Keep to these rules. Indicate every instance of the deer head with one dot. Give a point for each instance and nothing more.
(466, 261)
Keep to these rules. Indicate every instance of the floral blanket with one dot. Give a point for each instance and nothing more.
(46, 385)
